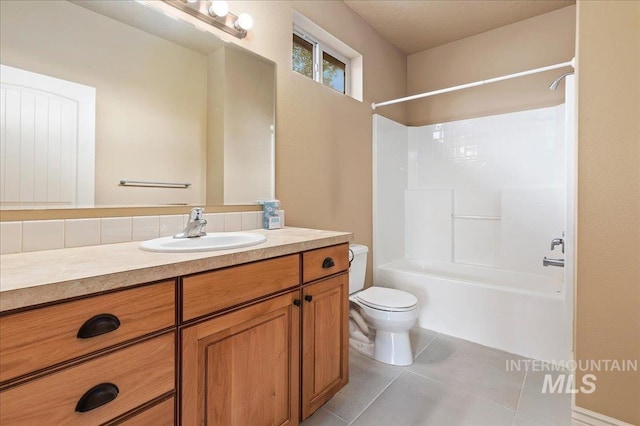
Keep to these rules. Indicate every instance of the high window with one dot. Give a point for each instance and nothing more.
(315, 60)
(322, 57)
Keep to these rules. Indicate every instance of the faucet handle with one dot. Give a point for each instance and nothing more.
(557, 242)
(196, 213)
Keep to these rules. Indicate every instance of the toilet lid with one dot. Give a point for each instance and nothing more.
(387, 299)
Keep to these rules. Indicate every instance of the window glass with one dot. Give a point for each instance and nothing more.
(302, 57)
(333, 72)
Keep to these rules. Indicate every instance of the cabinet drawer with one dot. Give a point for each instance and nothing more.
(162, 414)
(36, 339)
(216, 290)
(324, 262)
(140, 373)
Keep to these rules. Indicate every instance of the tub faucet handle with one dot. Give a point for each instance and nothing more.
(557, 242)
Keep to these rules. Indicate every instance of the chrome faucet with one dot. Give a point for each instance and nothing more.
(195, 226)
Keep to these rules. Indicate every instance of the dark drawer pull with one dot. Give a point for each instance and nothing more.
(308, 298)
(296, 302)
(100, 324)
(328, 263)
(97, 396)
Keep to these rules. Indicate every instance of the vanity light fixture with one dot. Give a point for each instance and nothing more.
(218, 8)
(216, 13)
(244, 22)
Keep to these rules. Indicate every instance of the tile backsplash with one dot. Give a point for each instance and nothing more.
(16, 237)
(42, 235)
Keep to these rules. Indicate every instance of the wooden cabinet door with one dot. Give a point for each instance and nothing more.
(325, 341)
(242, 368)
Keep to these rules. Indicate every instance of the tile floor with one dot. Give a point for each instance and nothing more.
(452, 382)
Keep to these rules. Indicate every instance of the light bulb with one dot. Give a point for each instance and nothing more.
(218, 8)
(192, 1)
(244, 22)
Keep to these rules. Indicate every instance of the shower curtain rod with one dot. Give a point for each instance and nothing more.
(571, 63)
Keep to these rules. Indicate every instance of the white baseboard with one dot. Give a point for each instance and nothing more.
(583, 417)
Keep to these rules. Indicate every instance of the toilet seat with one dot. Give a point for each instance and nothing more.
(387, 299)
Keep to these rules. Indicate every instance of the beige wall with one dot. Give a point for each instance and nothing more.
(323, 138)
(608, 256)
(139, 110)
(543, 40)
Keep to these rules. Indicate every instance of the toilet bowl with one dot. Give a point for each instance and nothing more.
(380, 318)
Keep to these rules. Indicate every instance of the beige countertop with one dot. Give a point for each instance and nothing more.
(33, 278)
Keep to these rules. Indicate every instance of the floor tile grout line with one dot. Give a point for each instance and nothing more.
(335, 415)
(405, 368)
(378, 395)
(338, 416)
(446, 336)
(456, 388)
(524, 380)
(425, 348)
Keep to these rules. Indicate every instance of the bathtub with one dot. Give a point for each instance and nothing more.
(524, 314)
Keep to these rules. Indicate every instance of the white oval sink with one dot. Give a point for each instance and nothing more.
(211, 241)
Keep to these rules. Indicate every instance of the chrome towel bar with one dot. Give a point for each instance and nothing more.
(127, 182)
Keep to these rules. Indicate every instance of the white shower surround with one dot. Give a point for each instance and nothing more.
(463, 214)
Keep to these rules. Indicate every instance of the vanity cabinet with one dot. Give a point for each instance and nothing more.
(89, 361)
(260, 343)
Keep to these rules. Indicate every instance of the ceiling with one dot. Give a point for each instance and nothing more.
(417, 25)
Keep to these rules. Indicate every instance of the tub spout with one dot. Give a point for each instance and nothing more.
(552, 262)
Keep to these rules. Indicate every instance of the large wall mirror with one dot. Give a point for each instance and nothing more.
(114, 103)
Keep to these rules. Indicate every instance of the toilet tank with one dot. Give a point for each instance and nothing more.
(358, 268)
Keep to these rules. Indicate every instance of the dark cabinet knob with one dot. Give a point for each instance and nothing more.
(296, 302)
(328, 263)
(100, 324)
(97, 396)
(308, 298)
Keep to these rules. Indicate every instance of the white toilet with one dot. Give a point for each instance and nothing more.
(379, 317)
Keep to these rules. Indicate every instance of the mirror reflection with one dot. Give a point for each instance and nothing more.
(99, 94)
